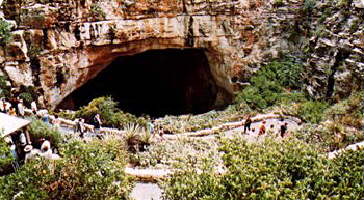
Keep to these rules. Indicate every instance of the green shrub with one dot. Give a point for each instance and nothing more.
(348, 111)
(97, 12)
(39, 129)
(328, 136)
(5, 34)
(309, 5)
(5, 157)
(27, 98)
(4, 88)
(109, 113)
(349, 175)
(268, 85)
(28, 94)
(287, 169)
(312, 111)
(278, 3)
(86, 171)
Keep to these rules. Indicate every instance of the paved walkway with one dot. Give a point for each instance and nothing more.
(146, 191)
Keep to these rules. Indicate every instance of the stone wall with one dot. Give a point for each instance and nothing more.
(59, 45)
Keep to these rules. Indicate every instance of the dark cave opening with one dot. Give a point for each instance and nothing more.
(155, 82)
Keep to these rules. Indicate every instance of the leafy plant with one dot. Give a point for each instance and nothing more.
(5, 157)
(5, 34)
(4, 87)
(109, 113)
(312, 111)
(28, 94)
(39, 129)
(86, 171)
(97, 12)
(288, 169)
(270, 84)
(309, 5)
(136, 137)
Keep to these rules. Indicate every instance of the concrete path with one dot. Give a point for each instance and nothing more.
(146, 191)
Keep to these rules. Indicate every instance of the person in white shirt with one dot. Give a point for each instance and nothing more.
(33, 107)
(2, 105)
(21, 110)
(46, 147)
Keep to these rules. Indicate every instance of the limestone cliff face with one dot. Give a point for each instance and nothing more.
(59, 45)
(328, 36)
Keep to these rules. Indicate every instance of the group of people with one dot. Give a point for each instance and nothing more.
(80, 126)
(22, 149)
(262, 128)
(15, 107)
(154, 131)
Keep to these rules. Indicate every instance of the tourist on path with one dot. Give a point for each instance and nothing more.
(45, 118)
(98, 124)
(12, 112)
(262, 129)
(46, 150)
(2, 105)
(82, 127)
(77, 125)
(247, 124)
(161, 132)
(284, 128)
(97, 120)
(56, 122)
(33, 107)
(21, 110)
(150, 127)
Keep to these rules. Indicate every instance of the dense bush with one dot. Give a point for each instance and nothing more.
(39, 129)
(28, 94)
(312, 111)
(4, 88)
(5, 157)
(86, 171)
(109, 113)
(272, 170)
(271, 85)
(329, 136)
(5, 34)
(349, 111)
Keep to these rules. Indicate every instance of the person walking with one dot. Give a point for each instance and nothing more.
(21, 111)
(2, 105)
(33, 107)
(247, 124)
(82, 127)
(97, 120)
(262, 129)
(284, 128)
(77, 125)
(12, 112)
(98, 124)
(161, 132)
(150, 127)
(56, 122)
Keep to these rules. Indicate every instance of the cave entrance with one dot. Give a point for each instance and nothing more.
(155, 82)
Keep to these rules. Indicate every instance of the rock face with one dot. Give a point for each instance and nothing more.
(329, 38)
(59, 45)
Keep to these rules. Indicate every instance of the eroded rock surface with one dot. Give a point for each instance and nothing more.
(75, 40)
(59, 45)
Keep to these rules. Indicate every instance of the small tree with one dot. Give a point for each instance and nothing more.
(5, 34)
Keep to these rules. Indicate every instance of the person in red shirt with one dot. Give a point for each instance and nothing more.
(262, 129)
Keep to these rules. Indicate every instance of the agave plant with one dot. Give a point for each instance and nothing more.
(136, 137)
